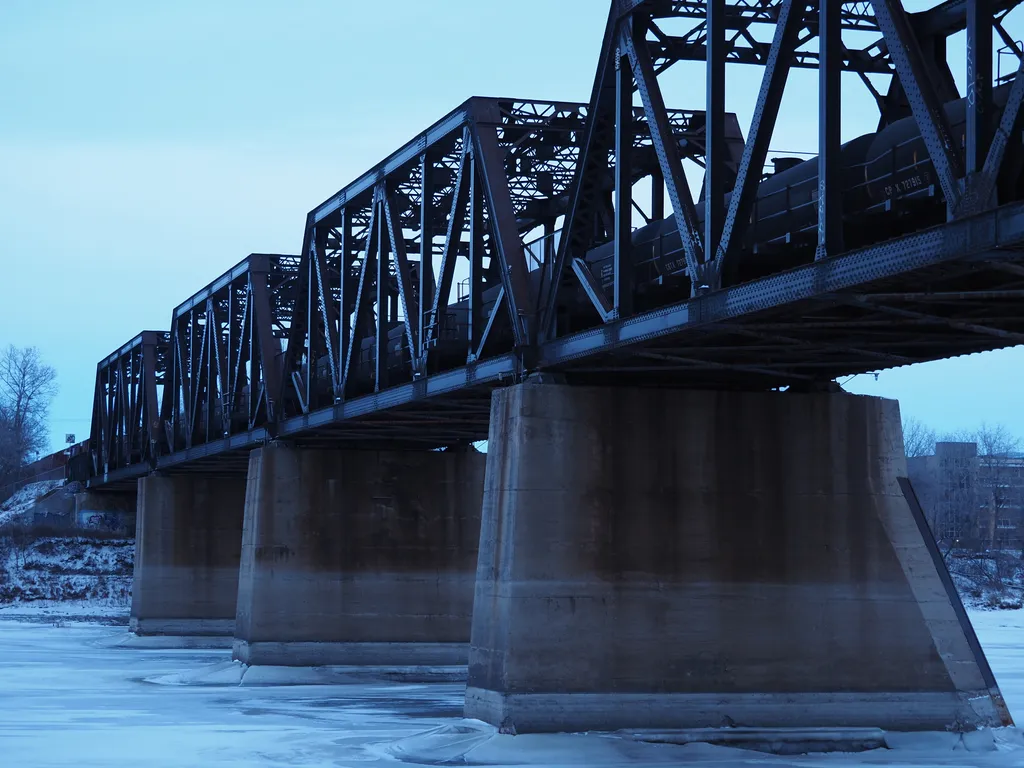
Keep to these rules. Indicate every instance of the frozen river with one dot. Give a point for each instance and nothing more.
(70, 697)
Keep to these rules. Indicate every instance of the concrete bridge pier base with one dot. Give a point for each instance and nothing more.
(188, 541)
(670, 559)
(358, 557)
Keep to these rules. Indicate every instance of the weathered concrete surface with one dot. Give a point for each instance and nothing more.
(696, 559)
(358, 557)
(188, 541)
(110, 510)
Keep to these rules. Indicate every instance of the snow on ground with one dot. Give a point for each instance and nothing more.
(23, 500)
(70, 695)
(69, 576)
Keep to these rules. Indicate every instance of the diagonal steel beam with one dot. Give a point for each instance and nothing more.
(476, 262)
(410, 307)
(242, 344)
(97, 428)
(366, 271)
(345, 258)
(490, 323)
(591, 168)
(715, 149)
(328, 313)
(134, 403)
(830, 209)
(593, 289)
(220, 356)
(1009, 124)
(452, 240)
(200, 372)
(506, 242)
(184, 381)
(633, 42)
(623, 271)
(906, 57)
(380, 337)
(151, 412)
(755, 151)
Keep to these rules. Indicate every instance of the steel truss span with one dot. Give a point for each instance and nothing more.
(519, 236)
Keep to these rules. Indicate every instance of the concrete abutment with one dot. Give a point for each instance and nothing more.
(188, 541)
(358, 557)
(671, 559)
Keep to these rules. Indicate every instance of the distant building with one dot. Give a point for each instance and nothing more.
(971, 501)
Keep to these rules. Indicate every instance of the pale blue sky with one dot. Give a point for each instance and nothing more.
(147, 147)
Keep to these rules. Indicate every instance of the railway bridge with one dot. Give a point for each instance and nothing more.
(680, 520)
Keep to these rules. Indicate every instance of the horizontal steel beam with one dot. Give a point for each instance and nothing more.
(409, 153)
(146, 337)
(494, 371)
(974, 236)
(254, 262)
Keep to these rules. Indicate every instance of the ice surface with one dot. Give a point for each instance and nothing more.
(242, 674)
(70, 696)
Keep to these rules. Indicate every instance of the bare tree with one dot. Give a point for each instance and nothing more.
(999, 481)
(918, 440)
(27, 387)
(995, 441)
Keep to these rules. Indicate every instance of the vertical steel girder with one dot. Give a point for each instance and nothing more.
(622, 300)
(380, 355)
(426, 276)
(830, 207)
(476, 262)
(714, 176)
(979, 83)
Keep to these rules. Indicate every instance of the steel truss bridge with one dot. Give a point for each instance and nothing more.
(518, 236)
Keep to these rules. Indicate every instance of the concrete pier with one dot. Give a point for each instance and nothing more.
(188, 541)
(106, 511)
(358, 557)
(668, 559)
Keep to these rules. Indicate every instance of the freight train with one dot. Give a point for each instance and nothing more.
(889, 188)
